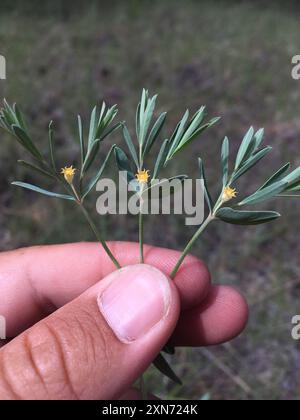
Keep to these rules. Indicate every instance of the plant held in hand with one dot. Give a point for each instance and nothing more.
(228, 207)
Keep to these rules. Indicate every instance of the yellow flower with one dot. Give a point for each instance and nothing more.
(68, 173)
(228, 194)
(143, 176)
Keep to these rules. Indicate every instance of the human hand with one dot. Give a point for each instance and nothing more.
(84, 331)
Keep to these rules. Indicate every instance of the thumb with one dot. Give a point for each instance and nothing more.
(96, 346)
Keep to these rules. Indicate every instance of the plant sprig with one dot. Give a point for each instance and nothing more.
(147, 134)
(280, 184)
(13, 122)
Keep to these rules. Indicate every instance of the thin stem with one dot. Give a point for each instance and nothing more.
(141, 225)
(190, 244)
(141, 236)
(98, 235)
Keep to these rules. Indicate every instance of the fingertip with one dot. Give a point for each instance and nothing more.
(193, 282)
(220, 318)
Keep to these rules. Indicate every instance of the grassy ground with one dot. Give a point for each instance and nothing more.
(235, 58)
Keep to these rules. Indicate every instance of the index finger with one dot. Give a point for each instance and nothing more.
(36, 281)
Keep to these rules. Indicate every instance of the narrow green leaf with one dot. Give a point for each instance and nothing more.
(42, 191)
(130, 145)
(244, 147)
(161, 158)
(26, 141)
(81, 140)
(90, 156)
(163, 366)
(98, 175)
(265, 194)
(196, 134)
(206, 191)
(19, 117)
(147, 119)
(225, 161)
(93, 127)
(294, 187)
(137, 120)
(109, 131)
(123, 163)
(237, 217)
(259, 136)
(36, 168)
(156, 129)
(194, 124)
(255, 143)
(293, 176)
(277, 176)
(51, 147)
(177, 134)
(251, 162)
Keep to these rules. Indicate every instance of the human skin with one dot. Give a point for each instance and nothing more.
(68, 336)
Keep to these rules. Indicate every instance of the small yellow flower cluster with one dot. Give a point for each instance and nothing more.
(68, 173)
(228, 194)
(143, 176)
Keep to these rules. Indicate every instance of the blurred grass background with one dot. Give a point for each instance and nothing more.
(233, 56)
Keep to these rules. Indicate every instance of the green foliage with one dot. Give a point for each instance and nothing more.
(12, 121)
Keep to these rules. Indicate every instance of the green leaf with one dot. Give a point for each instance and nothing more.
(42, 191)
(186, 141)
(161, 158)
(19, 117)
(81, 140)
(90, 156)
(177, 134)
(51, 147)
(147, 119)
(130, 145)
(225, 161)
(293, 176)
(206, 191)
(98, 175)
(93, 128)
(294, 187)
(194, 124)
(251, 162)
(137, 120)
(123, 163)
(277, 176)
(36, 168)
(259, 136)
(26, 141)
(156, 129)
(109, 131)
(163, 366)
(244, 148)
(265, 194)
(237, 217)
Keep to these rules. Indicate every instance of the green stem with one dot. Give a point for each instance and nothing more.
(141, 236)
(98, 235)
(190, 244)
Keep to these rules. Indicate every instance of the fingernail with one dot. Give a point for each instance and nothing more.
(137, 299)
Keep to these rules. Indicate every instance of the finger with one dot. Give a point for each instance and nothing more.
(96, 346)
(221, 317)
(36, 281)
